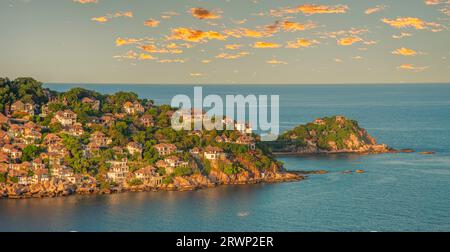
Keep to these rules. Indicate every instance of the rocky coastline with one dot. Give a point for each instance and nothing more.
(53, 188)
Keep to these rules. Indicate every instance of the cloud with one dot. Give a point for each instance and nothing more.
(151, 48)
(233, 46)
(165, 61)
(310, 9)
(127, 41)
(401, 35)
(85, 1)
(348, 41)
(412, 22)
(301, 43)
(276, 62)
(128, 55)
(102, 19)
(144, 56)
(196, 74)
(201, 13)
(293, 26)
(192, 35)
(412, 67)
(261, 44)
(375, 9)
(232, 56)
(244, 32)
(435, 2)
(405, 52)
(108, 17)
(151, 23)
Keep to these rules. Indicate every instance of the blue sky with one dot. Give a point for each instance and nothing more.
(226, 41)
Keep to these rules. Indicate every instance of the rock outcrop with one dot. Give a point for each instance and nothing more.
(328, 135)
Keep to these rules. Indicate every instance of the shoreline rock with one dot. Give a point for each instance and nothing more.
(52, 190)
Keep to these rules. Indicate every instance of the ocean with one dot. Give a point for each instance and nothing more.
(398, 192)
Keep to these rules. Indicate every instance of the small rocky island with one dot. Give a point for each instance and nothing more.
(83, 142)
(328, 135)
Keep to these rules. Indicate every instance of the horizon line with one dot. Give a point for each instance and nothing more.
(247, 84)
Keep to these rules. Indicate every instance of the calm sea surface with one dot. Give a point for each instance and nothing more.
(399, 192)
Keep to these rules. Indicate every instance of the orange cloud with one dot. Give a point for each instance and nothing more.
(301, 43)
(293, 26)
(172, 61)
(233, 46)
(106, 18)
(151, 23)
(276, 62)
(402, 35)
(260, 44)
(192, 35)
(144, 56)
(150, 48)
(102, 19)
(310, 9)
(375, 9)
(405, 52)
(348, 41)
(127, 41)
(412, 67)
(412, 22)
(244, 32)
(232, 56)
(85, 1)
(201, 13)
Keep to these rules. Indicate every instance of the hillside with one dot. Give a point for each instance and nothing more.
(328, 135)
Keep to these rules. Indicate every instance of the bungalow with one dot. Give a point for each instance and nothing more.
(244, 128)
(134, 147)
(195, 151)
(22, 176)
(119, 170)
(31, 133)
(92, 149)
(133, 108)
(146, 174)
(100, 139)
(66, 117)
(21, 107)
(163, 164)
(55, 159)
(95, 104)
(74, 130)
(165, 149)
(3, 119)
(247, 140)
(13, 151)
(58, 171)
(4, 158)
(57, 148)
(319, 121)
(147, 121)
(15, 130)
(38, 164)
(40, 176)
(4, 137)
(52, 139)
(174, 161)
(107, 119)
(213, 153)
(69, 176)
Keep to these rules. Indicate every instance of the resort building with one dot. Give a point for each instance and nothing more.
(165, 149)
(66, 117)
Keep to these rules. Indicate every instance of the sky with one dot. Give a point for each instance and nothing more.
(226, 41)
